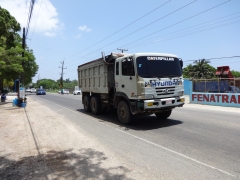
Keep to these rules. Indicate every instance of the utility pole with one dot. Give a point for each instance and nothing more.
(21, 79)
(61, 80)
(23, 46)
(39, 76)
(122, 49)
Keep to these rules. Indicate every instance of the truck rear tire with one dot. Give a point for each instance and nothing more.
(164, 114)
(86, 103)
(124, 114)
(96, 106)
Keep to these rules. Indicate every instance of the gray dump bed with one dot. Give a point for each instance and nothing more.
(92, 76)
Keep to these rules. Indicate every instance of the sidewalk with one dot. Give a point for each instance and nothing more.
(38, 143)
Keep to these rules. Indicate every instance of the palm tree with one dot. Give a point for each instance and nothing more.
(201, 69)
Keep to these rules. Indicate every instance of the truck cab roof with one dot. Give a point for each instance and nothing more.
(151, 54)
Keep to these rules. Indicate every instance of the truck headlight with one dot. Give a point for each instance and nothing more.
(146, 96)
(180, 83)
(180, 93)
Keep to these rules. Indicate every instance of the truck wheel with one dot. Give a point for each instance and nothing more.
(78, 93)
(96, 106)
(86, 103)
(164, 114)
(124, 114)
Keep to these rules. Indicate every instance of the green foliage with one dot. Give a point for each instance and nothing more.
(70, 85)
(187, 71)
(51, 84)
(10, 60)
(199, 69)
(236, 74)
(8, 28)
(47, 84)
(30, 66)
(12, 64)
(67, 80)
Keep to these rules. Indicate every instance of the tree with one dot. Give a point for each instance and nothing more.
(236, 74)
(47, 84)
(11, 51)
(30, 66)
(199, 69)
(8, 29)
(67, 80)
(187, 71)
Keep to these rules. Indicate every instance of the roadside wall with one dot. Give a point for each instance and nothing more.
(216, 99)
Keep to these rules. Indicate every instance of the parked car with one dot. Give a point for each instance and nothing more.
(77, 92)
(40, 92)
(28, 90)
(63, 91)
(234, 89)
(33, 90)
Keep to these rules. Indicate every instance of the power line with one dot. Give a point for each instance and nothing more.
(158, 30)
(166, 27)
(148, 43)
(36, 22)
(139, 29)
(187, 34)
(25, 21)
(191, 27)
(158, 42)
(213, 58)
(179, 22)
(30, 15)
(122, 28)
(191, 34)
(51, 50)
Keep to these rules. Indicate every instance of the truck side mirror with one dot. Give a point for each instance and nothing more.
(181, 63)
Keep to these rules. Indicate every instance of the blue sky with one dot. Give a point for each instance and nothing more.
(78, 31)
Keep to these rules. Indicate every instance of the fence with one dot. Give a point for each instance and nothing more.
(220, 85)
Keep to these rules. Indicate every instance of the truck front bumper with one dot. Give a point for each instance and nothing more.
(164, 103)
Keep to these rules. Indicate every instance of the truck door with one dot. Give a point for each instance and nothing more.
(125, 76)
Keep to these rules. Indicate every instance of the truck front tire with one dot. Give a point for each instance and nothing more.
(86, 103)
(96, 106)
(164, 114)
(124, 114)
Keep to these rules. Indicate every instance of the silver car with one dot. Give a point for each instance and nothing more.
(33, 90)
(77, 92)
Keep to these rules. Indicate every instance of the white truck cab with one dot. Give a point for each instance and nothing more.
(140, 83)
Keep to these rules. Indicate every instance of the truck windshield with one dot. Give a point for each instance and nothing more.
(158, 66)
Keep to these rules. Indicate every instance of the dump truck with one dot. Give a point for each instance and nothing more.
(133, 84)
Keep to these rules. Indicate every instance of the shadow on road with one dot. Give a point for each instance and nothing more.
(84, 164)
(2, 103)
(142, 123)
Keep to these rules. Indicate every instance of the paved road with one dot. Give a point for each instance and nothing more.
(194, 143)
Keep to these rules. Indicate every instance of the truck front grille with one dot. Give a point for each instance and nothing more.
(164, 90)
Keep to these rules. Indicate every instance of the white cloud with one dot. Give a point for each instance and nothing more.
(45, 21)
(84, 28)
